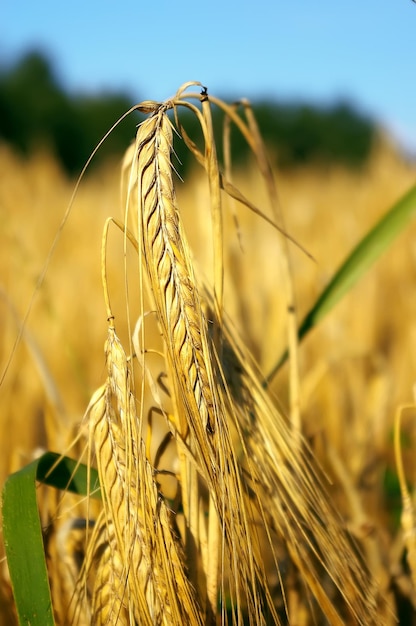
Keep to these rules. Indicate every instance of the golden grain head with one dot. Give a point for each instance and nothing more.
(214, 508)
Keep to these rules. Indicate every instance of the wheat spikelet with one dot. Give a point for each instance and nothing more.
(168, 264)
(157, 588)
(105, 566)
(190, 364)
(111, 461)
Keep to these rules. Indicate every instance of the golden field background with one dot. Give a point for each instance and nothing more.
(355, 370)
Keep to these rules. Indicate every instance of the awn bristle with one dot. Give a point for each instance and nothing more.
(289, 494)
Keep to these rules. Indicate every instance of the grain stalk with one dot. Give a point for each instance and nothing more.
(247, 485)
(200, 417)
(245, 456)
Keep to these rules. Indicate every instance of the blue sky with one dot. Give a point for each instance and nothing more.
(319, 51)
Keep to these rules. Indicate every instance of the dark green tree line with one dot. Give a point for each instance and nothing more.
(36, 111)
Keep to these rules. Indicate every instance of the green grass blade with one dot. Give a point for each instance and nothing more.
(65, 473)
(23, 534)
(358, 262)
(24, 549)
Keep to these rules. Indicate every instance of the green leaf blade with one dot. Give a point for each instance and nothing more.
(22, 530)
(369, 249)
(64, 473)
(24, 549)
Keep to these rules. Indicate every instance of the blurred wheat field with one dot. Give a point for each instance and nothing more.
(356, 369)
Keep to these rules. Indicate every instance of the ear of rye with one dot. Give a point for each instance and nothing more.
(232, 444)
(191, 360)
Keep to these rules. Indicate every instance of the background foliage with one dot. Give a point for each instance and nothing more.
(36, 110)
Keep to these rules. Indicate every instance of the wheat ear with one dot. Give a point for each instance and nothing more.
(169, 266)
(157, 588)
(200, 417)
